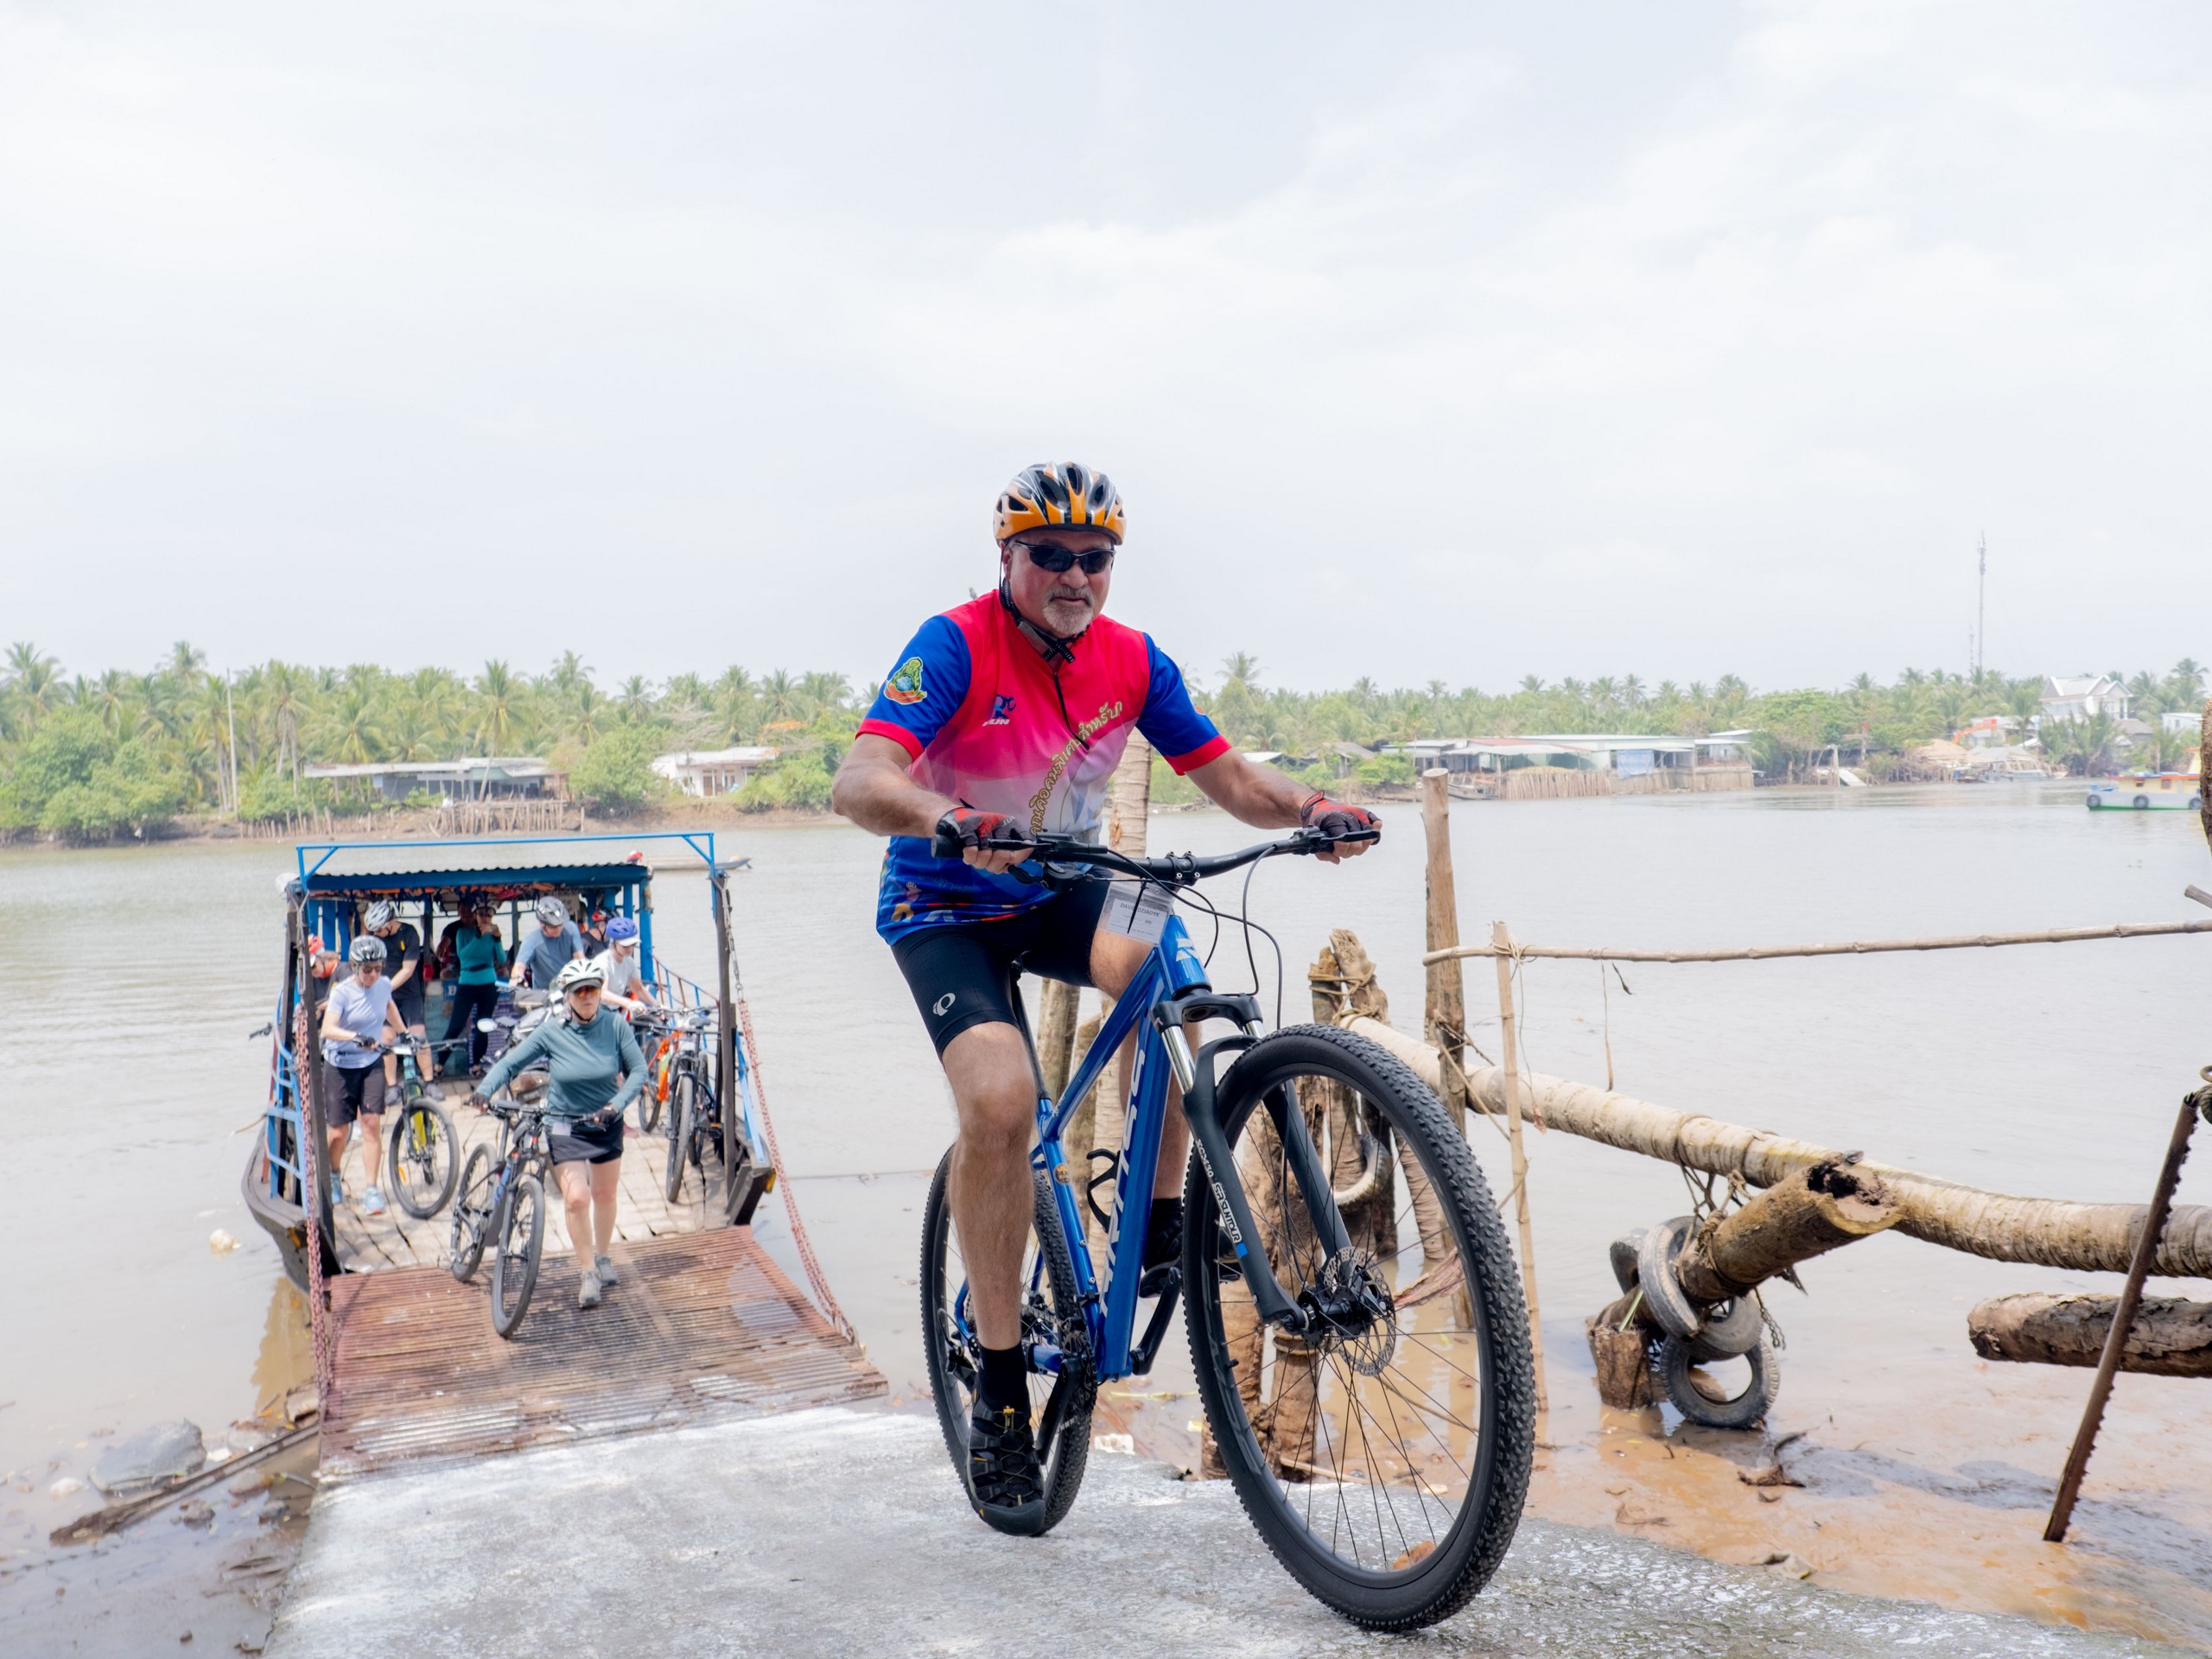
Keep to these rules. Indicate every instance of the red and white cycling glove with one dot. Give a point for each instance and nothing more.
(1334, 818)
(966, 827)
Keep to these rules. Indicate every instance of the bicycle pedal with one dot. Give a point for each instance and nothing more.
(1160, 1281)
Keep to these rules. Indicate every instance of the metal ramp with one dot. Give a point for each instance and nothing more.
(703, 1324)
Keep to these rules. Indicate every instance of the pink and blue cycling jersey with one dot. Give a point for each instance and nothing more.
(980, 714)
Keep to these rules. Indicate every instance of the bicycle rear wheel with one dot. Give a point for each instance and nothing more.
(421, 1159)
(1052, 1314)
(1384, 1454)
(471, 1215)
(683, 1128)
(519, 1229)
(651, 1100)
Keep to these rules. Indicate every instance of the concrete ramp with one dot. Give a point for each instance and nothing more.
(843, 1534)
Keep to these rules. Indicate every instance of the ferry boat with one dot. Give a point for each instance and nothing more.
(2145, 791)
(428, 881)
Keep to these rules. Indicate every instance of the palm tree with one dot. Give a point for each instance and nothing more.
(824, 691)
(497, 693)
(33, 682)
(779, 698)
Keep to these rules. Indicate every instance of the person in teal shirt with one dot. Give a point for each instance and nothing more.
(479, 963)
(594, 1069)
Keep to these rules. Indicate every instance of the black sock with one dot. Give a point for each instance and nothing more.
(1163, 1235)
(1005, 1383)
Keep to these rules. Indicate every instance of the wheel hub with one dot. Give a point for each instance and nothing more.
(1350, 1309)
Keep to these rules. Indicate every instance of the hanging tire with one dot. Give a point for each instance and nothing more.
(421, 1159)
(1623, 1254)
(1384, 1455)
(1051, 1314)
(2142, 803)
(1729, 1329)
(1662, 1293)
(471, 1215)
(1677, 1365)
(519, 1229)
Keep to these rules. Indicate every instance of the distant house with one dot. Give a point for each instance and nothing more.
(489, 777)
(1990, 731)
(1624, 755)
(2180, 720)
(708, 772)
(2083, 697)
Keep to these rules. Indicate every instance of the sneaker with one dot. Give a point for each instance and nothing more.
(337, 1189)
(372, 1202)
(604, 1267)
(589, 1294)
(1005, 1482)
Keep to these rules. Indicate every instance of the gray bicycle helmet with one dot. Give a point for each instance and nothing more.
(584, 970)
(552, 912)
(377, 915)
(367, 948)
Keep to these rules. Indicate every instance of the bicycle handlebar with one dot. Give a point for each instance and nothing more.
(1174, 869)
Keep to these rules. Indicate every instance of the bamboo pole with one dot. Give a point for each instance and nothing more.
(1444, 1014)
(1128, 801)
(2123, 1323)
(1849, 948)
(2044, 1232)
(1502, 947)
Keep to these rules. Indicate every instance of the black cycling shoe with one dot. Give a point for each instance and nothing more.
(1006, 1480)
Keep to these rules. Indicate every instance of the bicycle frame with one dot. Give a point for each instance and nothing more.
(1170, 989)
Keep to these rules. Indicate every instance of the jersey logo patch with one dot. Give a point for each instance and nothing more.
(1001, 710)
(905, 685)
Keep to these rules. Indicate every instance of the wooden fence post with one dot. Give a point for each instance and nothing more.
(1509, 1061)
(1128, 802)
(1444, 1015)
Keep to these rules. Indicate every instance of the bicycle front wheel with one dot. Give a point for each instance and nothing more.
(1051, 1318)
(1382, 1452)
(683, 1126)
(519, 1229)
(471, 1215)
(423, 1159)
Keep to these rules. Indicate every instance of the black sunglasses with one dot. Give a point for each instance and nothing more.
(1057, 559)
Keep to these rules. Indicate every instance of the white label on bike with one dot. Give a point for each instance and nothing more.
(1136, 910)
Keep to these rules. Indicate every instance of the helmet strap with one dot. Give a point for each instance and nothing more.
(1058, 648)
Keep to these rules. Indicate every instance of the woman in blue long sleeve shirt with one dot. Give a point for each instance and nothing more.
(594, 1069)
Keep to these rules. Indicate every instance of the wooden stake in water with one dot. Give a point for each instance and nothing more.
(2123, 1321)
(1445, 1015)
(1509, 1061)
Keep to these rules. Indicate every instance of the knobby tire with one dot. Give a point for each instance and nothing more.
(519, 1227)
(435, 1160)
(472, 1219)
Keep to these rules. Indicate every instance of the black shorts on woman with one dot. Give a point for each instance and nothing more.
(964, 974)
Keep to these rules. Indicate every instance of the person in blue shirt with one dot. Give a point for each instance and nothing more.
(545, 950)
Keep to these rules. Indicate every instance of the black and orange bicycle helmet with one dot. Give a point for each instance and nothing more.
(1058, 492)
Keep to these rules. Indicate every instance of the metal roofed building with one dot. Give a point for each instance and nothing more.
(707, 773)
(1623, 754)
(483, 777)
(2083, 697)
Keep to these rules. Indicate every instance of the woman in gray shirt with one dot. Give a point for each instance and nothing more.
(594, 1070)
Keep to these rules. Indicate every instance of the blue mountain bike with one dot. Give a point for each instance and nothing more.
(1355, 1317)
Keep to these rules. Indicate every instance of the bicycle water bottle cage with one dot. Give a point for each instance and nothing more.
(1112, 1173)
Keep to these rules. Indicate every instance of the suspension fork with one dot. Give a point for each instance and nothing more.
(1200, 1105)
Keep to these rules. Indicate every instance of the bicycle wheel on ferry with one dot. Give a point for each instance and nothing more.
(682, 1128)
(1384, 1457)
(471, 1215)
(654, 1095)
(421, 1158)
(1060, 1405)
(519, 1229)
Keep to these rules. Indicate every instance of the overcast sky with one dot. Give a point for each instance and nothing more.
(1456, 341)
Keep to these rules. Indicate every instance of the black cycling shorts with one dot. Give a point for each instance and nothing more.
(571, 1143)
(963, 975)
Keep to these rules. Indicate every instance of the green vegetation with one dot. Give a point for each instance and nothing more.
(123, 754)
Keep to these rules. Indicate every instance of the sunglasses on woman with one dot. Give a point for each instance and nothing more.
(1057, 559)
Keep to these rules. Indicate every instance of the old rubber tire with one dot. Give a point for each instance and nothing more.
(1449, 1557)
(1623, 1252)
(2142, 803)
(472, 1216)
(1675, 1363)
(1729, 1329)
(1051, 1309)
(1673, 1311)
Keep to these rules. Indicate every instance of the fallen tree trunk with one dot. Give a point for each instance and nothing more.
(2170, 1338)
(2045, 1232)
(1808, 1214)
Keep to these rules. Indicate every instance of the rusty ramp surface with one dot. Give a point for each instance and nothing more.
(702, 1325)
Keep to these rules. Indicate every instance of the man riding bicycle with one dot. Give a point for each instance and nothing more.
(1003, 719)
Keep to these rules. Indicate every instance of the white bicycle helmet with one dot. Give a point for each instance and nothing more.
(552, 912)
(584, 970)
(377, 915)
(366, 947)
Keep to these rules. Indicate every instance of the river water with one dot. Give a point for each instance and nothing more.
(134, 976)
